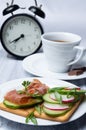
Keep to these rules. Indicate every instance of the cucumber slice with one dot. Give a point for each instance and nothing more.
(54, 112)
(16, 106)
(47, 98)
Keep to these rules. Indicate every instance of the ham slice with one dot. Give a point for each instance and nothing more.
(14, 97)
(35, 87)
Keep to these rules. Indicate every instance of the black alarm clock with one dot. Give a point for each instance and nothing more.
(21, 33)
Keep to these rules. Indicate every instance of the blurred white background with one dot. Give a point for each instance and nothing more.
(61, 15)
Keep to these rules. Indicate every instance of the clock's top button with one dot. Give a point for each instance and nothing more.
(10, 9)
(37, 11)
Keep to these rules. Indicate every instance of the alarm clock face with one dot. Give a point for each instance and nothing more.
(21, 35)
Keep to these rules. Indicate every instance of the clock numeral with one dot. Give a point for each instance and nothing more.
(29, 47)
(35, 28)
(14, 47)
(23, 21)
(29, 22)
(34, 43)
(16, 22)
(37, 36)
(11, 27)
(7, 34)
(21, 49)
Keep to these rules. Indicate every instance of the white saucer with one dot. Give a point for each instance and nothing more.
(36, 65)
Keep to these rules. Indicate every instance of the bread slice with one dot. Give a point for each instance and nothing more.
(20, 112)
(25, 112)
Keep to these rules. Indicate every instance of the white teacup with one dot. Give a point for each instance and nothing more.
(61, 49)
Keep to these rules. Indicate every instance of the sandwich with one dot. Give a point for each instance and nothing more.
(61, 103)
(41, 101)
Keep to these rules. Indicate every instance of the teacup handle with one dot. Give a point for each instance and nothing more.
(81, 49)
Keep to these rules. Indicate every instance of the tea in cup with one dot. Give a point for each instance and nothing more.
(61, 49)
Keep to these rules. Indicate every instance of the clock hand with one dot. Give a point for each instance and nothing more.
(15, 40)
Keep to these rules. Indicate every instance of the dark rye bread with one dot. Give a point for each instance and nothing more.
(25, 112)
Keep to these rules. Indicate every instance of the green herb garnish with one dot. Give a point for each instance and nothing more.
(26, 84)
(72, 91)
(58, 97)
(20, 92)
(55, 89)
(38, 109)
(31, 118)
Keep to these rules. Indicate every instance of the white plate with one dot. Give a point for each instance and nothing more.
(36, 64)
(16, 84)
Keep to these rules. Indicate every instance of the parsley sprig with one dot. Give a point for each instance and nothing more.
(26, 84)
(31, 118)
(38, 108)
